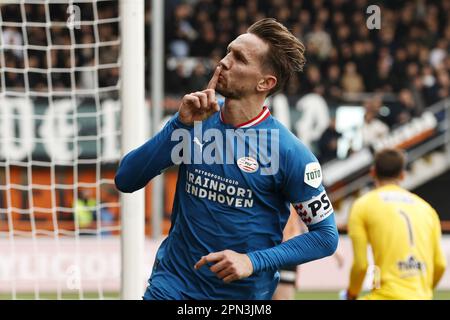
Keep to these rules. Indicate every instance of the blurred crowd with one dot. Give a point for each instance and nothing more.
(409, 54)
(58, 58)
(407, 58)
(404, 65)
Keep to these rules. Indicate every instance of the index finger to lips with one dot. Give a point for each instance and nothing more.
(213, 82)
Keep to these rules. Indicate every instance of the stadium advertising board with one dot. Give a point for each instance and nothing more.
(62, 131)
(65, 131)
(97, 264)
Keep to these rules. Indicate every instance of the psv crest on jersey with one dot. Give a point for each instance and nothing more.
(248, 164)
(313, 174)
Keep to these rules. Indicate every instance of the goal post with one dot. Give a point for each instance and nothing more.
(72, 102)
(157, 85)
(133, 135)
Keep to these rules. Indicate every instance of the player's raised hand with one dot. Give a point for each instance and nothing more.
(200, 105)
(229, 265)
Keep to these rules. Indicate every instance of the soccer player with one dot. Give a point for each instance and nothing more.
(239, 171)
(404, 233)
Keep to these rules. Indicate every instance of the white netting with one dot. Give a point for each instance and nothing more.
(59, 129)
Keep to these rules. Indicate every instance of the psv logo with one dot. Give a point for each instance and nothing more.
(314, 210)
(248, 164)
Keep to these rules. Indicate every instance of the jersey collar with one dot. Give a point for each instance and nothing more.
(263, 115)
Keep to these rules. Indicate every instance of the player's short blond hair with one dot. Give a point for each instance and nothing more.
(286, 54)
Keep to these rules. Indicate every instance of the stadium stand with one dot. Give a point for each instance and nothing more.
(396, 74)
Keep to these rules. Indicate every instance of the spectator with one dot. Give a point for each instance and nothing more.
(11, 36)
(430, 85)
(443, 84)
(406, 109)
(203, 46)
(86, 54)
(88, 78)
(351, 80)
(398, 69)
(199, 78)
(13, 80)
(176, 79)
(333, 91)
(319, 39)
(373, 128)
(181, 31)
(328, 143)
(438, 54)
(36, 80)
(313, 79)
(84, 209)
(362, 56)
(416, 87)
(382, 77)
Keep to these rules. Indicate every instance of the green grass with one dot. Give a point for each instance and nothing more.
(300, 295)
(333, 295)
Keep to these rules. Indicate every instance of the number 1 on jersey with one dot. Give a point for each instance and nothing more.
(410, 230)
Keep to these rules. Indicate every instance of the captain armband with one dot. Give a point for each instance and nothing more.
(314, 210)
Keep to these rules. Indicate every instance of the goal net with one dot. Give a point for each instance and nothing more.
(59, 148)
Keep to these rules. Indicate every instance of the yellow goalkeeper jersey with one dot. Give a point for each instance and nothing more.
(405, 235)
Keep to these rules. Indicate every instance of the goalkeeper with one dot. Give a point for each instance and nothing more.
(404, 232)
(228, 216)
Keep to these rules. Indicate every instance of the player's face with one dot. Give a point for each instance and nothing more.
(241, 67)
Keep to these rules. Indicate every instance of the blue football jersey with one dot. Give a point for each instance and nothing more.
(234, 190)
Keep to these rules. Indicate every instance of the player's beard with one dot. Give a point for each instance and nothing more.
(228, 93)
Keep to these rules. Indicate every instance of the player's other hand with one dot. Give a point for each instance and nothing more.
(200, 105)
(229, 265)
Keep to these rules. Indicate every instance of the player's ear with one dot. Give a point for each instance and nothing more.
(402, 175)
(266, 83)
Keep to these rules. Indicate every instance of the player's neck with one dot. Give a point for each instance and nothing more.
(236, 112)
(387, 182)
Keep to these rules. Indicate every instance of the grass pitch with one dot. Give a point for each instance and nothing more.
(300, 295)
(333, 295)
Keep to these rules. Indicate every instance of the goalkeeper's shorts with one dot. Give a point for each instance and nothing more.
(288, 275)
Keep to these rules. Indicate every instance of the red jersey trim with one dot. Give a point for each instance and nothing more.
(263, 115)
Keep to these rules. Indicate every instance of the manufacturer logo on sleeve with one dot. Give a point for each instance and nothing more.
(248, 164)
(313, 174)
